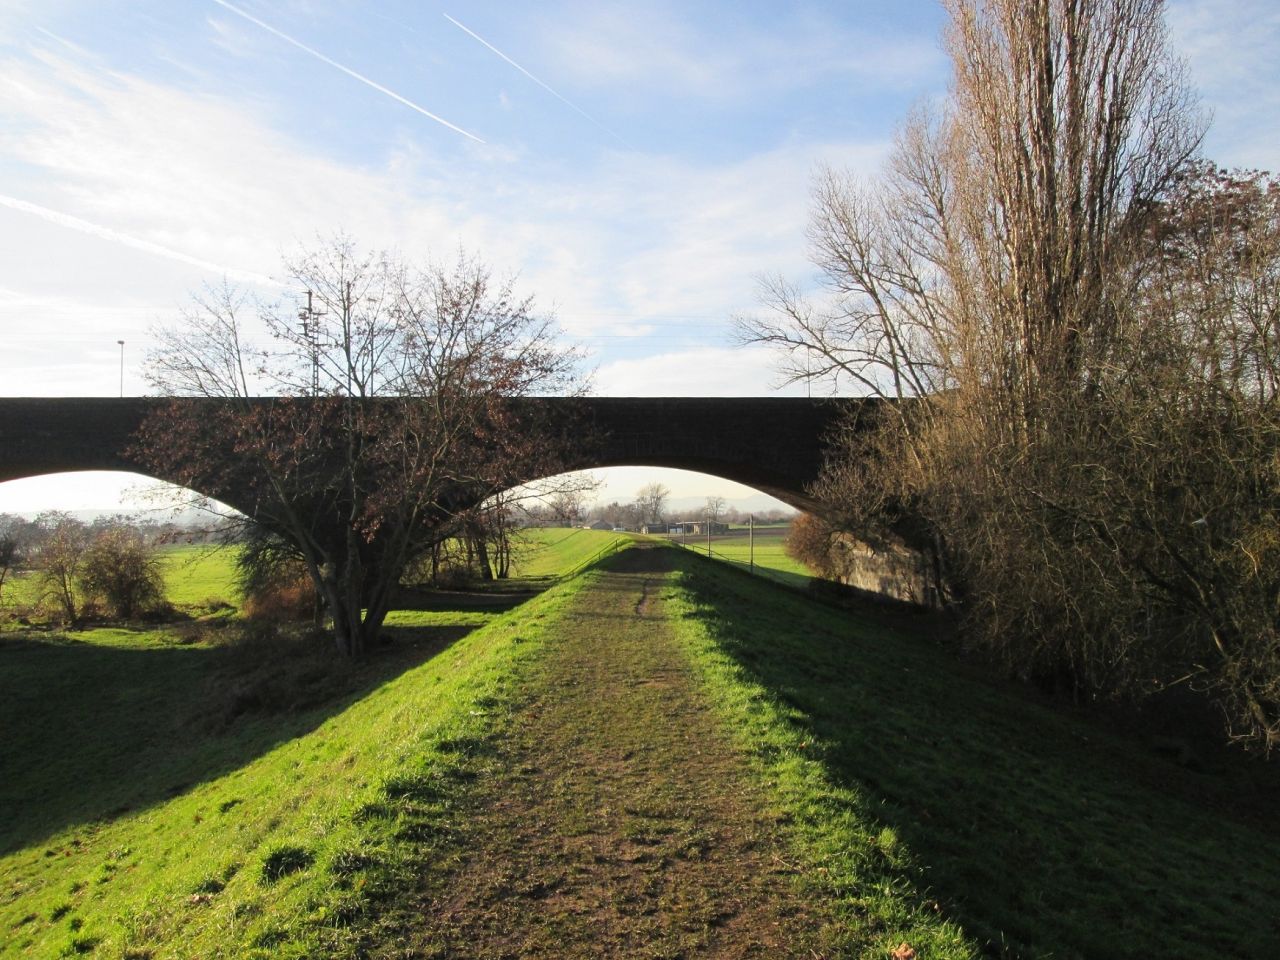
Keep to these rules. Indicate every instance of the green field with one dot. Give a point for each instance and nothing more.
(195, 576)
(764, 553)
(198, 575)
(200, 578)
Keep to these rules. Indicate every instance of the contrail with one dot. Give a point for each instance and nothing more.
(347, 70)
(564, 100)
(115, 236)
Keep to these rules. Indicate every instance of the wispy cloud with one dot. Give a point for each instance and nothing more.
(115, 236)
(619, 251)
(347, 70)
(659, 48)
(545, 86)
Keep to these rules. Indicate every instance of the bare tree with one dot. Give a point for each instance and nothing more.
(1091, 319)
(62, 545)
(409, 375)
(713, 508)
(121, 568)
(11, 546)
(651, 500)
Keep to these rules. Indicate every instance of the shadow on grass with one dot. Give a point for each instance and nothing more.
(1040, 833)
(93, 730)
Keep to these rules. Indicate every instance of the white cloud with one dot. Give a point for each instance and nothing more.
(613, 245)
(705, 371)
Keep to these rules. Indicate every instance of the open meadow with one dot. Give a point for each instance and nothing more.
(762, 551)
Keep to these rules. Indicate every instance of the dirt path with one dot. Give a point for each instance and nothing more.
(621, 823)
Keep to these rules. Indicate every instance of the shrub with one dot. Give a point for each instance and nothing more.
(273, 579)
(121, 568)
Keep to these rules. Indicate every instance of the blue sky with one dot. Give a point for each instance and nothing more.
(636, 164)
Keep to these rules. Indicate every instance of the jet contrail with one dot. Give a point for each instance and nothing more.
(115, 236)
(564, 100)
(347, 70)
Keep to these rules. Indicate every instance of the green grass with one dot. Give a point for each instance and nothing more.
(547, 552)
(768, 555)
(164, 799)
(177, 794)
(194, 575)
(932, 802)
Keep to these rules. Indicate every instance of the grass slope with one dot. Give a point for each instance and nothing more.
(768, 555)
(547, 552)
(262, 834)
(954, 814)
(924, 804)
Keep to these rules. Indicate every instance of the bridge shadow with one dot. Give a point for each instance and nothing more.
(95, 730)
(1039, 833)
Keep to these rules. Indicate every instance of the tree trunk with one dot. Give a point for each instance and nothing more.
(482, 558)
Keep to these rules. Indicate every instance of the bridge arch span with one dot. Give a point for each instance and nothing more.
(774, 444)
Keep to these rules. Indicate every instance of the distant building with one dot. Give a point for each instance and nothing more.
(689, 528)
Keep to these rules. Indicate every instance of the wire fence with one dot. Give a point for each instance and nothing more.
(784, 577)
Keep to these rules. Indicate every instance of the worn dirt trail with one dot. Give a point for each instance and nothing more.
(621, 822)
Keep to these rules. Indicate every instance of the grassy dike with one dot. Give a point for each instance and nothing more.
(920, 803)
(959, 815)
(301, 851)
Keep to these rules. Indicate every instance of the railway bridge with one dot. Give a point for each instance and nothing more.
(774, 444)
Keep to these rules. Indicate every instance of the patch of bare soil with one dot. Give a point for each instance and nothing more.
(619, 821)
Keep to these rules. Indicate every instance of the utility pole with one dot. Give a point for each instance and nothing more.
(121, 342)
(308, 318)
(708, 523)
(751, 542)
(347, 312)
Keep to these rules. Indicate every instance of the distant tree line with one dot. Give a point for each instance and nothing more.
(650, 506)
(1088, 315)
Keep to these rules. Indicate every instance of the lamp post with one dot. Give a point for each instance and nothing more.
(121, 342)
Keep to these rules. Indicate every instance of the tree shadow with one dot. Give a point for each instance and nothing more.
(94, 730)
(1040, 832)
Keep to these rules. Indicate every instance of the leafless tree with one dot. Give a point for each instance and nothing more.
(651, 500)
(714, 507)
(408, 374)
(11, 545)
(62, 544)
(1089, 317)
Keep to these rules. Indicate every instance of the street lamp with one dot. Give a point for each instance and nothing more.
(121, 342)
